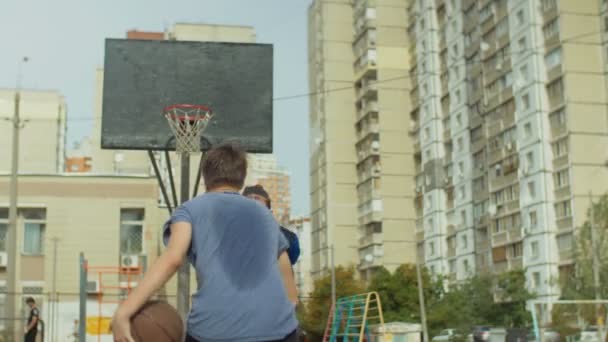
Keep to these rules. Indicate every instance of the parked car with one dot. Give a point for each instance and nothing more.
(481, 334)
(588, 334)
(447, 335)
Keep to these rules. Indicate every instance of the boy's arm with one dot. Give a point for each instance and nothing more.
(160, 272)
(288, 279)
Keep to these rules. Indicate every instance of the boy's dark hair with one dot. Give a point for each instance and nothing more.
(225, 165)
(258, 190)
(30, 300)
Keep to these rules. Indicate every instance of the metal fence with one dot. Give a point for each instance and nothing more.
(59, 315)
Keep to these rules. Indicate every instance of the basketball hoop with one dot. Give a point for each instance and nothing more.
(187, 122)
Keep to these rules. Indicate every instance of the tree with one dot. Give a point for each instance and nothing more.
(578, 284)
(314, 316)
(399, 292)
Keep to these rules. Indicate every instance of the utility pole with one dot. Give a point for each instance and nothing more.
(425, 331)
(596, 266)
(11, 300)
(333, 276)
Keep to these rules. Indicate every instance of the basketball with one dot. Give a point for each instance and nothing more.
(157, 322)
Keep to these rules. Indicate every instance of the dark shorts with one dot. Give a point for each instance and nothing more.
(31, 336)
(293, 337)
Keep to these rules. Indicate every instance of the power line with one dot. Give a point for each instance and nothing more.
(416, 73)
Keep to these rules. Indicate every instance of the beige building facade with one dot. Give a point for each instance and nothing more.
(510, 133)
(42, 133)
(361, 155)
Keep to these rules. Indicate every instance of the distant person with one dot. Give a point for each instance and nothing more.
(258, 193)
(31, 330)
(246, 290)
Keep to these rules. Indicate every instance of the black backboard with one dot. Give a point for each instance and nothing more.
(141, 77)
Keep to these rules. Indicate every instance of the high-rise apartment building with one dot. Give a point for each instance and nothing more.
(42, 132)
(264, 170)
(510, 132)
(303, 278)
(361, 155)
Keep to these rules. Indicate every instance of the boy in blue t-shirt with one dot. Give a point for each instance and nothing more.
(246, 290)
(258, 193)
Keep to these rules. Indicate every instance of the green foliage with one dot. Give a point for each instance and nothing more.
(313, 316)
(460, 306)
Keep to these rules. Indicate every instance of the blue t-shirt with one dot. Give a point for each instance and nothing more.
(235, 248)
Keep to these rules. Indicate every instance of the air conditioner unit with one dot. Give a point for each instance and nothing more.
(129, 261)
(446, 180)
(3, 259)
(419, 188)
(93, 286)
(125, 285)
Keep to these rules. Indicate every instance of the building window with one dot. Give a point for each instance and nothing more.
(535, 280)
(432, 248)
(563, 210)
(561, 178)
(558, 118)
(465, 242)
(458, 97)
(459, 119)
(465, 265)
(522, 44)
(463, 218)
(3, 228)
(429, 201)
(565, 243)
(525, 101)
(528, 130)
(530, 160)
(532, 189)
(560, 148)
(427, 133)
(551, 29)
(460, 168)
(553, 58)
(549, 4)
(460, 144)
(534, 250)
(520, 17)
(131, 231)
(502, 27)
(486, 12)
(533, 219)
(428, 154)
(34, 221)
(556, 89)
(461, 192)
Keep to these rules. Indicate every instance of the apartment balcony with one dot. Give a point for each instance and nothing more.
(365, 65)
(501, 267)
(371, 239)
(366, 40)
(367, 108)
(566, 256)
(564, 224)
(563, 193)
(481, 221)
(516, 263)
(556, 101)
(550, 14)
(451, 252)
(482, 245)
(370, 212)
(364, 20)
(506, 237)
(561, 161)
(447, 134)
(554, 73)
(558, 130)
(502, 181)
(478, 145)
(366, 130)
(450, 230)
(370, 257)
(368, 90)
(447, 159)
(420, 236)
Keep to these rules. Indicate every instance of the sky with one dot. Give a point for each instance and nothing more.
(64, 40)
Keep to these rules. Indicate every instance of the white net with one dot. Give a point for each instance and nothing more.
(187, 122)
